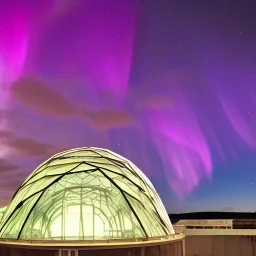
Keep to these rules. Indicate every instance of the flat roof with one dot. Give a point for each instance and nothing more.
(204, 223)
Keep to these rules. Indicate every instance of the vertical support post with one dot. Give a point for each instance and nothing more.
(142, 251)
(93, 221)
(63, 217)
(252, 241)
(239, 241)
(81, 214)
(225, 249)
(183, 247)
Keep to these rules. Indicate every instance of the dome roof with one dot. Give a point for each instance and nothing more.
(85, 194)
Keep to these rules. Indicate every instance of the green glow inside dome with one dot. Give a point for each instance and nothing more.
(86, 194)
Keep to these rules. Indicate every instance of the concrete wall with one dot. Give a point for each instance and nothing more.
(218, 242)
(7, 251)
(213, 245)
(219, 232)
(167, 249)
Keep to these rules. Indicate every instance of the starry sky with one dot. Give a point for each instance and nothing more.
(171, 85)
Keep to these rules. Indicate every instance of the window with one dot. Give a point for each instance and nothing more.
(68, 252)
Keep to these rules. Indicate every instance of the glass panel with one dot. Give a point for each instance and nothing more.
(2, 210)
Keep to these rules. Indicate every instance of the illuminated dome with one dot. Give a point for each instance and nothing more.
(86, 194)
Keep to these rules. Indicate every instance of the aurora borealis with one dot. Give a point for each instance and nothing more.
(171, 85)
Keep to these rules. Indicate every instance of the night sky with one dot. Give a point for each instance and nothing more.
(171, 85)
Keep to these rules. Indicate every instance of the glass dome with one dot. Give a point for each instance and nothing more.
(85, 194)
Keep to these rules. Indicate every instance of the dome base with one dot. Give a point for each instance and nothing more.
(171, 245)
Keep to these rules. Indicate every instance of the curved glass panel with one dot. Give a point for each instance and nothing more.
(2, 210)
(85, 194)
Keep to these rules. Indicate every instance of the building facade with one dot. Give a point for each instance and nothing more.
(218, 237)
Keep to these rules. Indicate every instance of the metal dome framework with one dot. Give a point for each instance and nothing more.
(86, 194)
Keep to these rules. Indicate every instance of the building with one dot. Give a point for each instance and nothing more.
(87, 201)
(219, 237)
